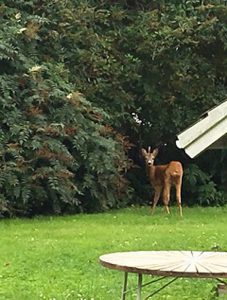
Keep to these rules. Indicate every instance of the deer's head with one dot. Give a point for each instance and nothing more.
(149, 156)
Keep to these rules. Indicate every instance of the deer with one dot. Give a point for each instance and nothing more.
(162, 178)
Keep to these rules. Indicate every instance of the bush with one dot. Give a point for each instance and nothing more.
(62, 61)
(58, 153)
(200, 189)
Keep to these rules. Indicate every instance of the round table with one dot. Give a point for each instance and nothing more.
(175, 264)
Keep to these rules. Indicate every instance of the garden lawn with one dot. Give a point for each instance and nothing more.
(57, 257)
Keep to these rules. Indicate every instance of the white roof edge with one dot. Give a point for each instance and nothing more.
(205, 132)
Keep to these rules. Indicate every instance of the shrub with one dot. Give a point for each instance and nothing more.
(58, 153)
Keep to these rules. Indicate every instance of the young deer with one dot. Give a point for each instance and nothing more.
(162, 177)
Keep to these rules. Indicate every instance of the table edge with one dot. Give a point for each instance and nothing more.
(172, 273)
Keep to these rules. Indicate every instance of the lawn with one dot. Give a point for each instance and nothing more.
(57, 257)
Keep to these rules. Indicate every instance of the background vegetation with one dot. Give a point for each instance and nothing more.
(74, 75)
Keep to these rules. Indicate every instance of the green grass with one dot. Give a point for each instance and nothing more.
(57, 257)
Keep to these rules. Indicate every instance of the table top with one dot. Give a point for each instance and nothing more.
(169, 263)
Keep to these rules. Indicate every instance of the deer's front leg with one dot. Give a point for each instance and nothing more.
(156, 197)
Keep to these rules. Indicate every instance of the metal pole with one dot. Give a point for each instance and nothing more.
(161, 288)
(139, 287)
(123, 295)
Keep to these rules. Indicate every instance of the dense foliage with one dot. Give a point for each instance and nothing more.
(74, 73)
(58, 152)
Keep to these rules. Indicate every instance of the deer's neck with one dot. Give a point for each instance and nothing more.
(151, 173)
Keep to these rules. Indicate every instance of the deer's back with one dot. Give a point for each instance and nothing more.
(173, 171)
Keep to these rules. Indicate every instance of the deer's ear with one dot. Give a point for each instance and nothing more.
(144, 152)
(155, 152)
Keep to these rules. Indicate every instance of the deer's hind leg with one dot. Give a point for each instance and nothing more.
(157, 194)
(178, 195)
(166, 194)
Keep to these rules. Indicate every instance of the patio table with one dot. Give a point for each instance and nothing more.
(176, 264)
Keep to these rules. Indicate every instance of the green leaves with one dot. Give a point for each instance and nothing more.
(56, 155)
(77, 78)
(200, 186)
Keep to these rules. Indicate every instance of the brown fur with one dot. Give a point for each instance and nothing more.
(162, 177)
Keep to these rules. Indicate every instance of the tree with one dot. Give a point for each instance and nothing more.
(58, 153)
(74, 77)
